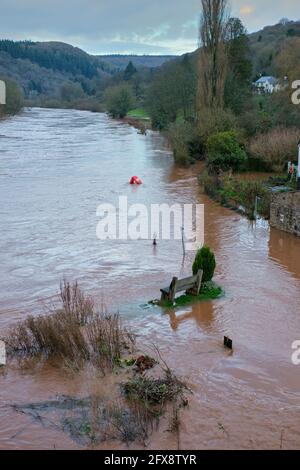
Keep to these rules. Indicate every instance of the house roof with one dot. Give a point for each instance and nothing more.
(268, 79)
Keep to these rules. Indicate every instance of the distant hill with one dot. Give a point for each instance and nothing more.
(121, 61)
(266, 43)
(43, 69)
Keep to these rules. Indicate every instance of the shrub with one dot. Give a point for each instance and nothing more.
(255, 120)
(224, 151)
(234, 192)
(180, 135)
(210, 183)
(249, 190)
(205, 260)
(197, 147)
(118, 100)
(186, 142)
(275, 147)
(284, 113)
(70, 92)
(215, 120)
(245, 193)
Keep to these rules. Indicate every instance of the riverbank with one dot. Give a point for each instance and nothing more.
(136, 118)
(248, 194)
(248, 197)
(81, 105)
(139, 119)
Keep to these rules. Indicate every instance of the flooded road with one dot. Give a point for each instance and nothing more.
(56, 167)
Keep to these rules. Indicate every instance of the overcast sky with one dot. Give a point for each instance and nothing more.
(127, 26)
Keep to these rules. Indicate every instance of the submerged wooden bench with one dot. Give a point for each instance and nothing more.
(190, 284)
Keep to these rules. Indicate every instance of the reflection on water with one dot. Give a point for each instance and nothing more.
(56, 167)
(202, 314)
(284, 249)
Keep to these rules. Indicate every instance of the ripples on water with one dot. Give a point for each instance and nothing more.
(56, 167)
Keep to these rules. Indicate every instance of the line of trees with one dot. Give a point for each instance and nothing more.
(56, 58)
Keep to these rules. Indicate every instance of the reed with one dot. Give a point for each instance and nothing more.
(74, 334)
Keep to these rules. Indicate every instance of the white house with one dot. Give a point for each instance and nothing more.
(2, 92)
(267, 85)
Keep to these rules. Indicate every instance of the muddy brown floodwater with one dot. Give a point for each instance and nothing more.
(56, 167)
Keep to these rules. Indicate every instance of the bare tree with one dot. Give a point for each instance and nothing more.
(213, 57)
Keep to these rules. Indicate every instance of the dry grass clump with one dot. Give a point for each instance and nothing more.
(275, 147)
(75, 334)
(107, 340)
(154, 393)
(53, 335)
(149, 398)
(129, 424)
(75, 303)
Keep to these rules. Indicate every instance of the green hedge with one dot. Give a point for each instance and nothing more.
(224, 151)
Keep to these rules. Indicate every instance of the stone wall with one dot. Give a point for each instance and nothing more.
(285, 212)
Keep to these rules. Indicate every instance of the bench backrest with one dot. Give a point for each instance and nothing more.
(192, 283)
(187, 283)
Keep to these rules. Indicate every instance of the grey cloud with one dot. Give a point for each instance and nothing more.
(157, 26)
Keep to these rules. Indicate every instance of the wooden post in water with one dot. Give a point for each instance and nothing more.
(173, 289)
(228, 343)
(256, 207)
(183, 244)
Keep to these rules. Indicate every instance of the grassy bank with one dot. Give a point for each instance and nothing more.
(138, 113)
(139, 119)
(243, 196)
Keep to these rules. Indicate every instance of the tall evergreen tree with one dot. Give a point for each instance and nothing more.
(213, 60)
(130, 71)
(238, 81)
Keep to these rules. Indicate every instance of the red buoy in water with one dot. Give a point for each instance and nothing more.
(135, 180)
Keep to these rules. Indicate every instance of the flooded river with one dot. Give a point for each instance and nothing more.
(56, 167)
